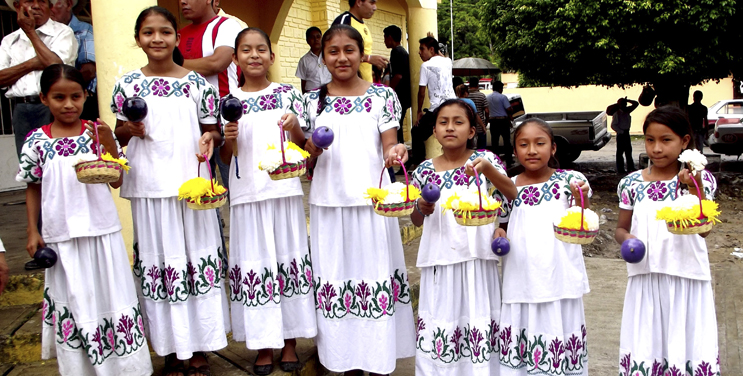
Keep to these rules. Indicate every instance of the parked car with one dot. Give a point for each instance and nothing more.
(574, 131)
(727, 136)
(729, 109)
(486, 84)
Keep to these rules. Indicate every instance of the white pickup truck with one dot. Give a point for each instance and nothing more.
(574, 131)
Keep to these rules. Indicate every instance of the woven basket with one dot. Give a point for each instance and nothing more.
(207, 202)
(289, 170)
(399, 209)
(97, 172)
(704, 224)
(476, 218)
(576, 236)
(394, 210)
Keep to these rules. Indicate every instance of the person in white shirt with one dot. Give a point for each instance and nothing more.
(311, 69)
(435, 75)
(24, 53)
(4, 272)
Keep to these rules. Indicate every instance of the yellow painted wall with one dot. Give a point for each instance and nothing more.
(292, 43)
(116, 54)
(597, 98)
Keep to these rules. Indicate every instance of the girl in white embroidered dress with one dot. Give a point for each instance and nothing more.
(542, 326)
(177, 251)
(268, 232)
(669, 325)
(88, 294)
(460, 288)
(364, 317)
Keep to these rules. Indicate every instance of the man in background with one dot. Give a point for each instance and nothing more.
(358, 12)
(500, 112)
(698, 119)
(311, 69)
(481, 103)
(621, 121)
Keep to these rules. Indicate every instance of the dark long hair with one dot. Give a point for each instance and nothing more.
(177, 55)
(240, 36)
(673, 118)
(56, 72)
(544, 127)
(330, 33)
(471, 117)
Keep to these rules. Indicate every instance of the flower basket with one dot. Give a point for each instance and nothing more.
(576, 236)
(399, 209)
(287, 170)
(99, 171)
(479, 217)
(213, 198)
(690, 225)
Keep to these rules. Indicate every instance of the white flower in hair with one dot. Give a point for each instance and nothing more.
(696, 160)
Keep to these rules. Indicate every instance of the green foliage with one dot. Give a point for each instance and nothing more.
(616, 42)
(468, 41)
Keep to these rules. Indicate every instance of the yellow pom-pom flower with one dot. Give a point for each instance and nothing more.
(197, 188)
(273, 158)
(684, 212)
(571, 220)
(122, 161)
(469, 202)
(394, 193)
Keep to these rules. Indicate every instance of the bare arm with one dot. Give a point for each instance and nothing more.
(624, 225)
(33, 209)
(9, 76)
(421, 97)
(632, 105)
(211, 65)
(395, 80)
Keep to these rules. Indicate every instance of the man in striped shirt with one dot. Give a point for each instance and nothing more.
(481, 103)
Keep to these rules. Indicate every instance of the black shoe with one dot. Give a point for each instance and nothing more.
(262, 370)
(290, 366)
(32, 265)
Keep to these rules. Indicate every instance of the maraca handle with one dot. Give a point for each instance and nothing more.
(234, 148)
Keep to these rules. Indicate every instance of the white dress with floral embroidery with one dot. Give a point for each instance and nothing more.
(542, 329)
(92, 321)
(271, 292)
(460, 299)
(364, 316)
(178, 260)
(669, 326)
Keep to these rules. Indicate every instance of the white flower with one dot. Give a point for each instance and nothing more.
(272, 158)
(685, 202)
(395, 193)
(696, 160)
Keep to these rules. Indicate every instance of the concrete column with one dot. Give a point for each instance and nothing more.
(421, 21)
(116, 53)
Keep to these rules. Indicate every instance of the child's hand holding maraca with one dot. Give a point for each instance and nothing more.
(230, 131)
(426, 208)
(136, 128)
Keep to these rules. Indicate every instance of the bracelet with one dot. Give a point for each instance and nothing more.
(419, 210)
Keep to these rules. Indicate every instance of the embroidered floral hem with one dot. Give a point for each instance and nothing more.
(466, 343)
(258, 289)
(120, 334)
(363, 299)
(660, 367)
(542, 355)
(176, 284)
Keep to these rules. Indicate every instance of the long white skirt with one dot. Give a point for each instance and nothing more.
(270, 273)
(669, 327)
(92, 319)
(178, 262)
(458, 320)
(364, 317)
(543, 338)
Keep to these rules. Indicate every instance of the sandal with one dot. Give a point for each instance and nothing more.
(173, 365)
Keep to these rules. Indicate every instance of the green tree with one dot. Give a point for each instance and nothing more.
(669, 44)
(468, 41)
